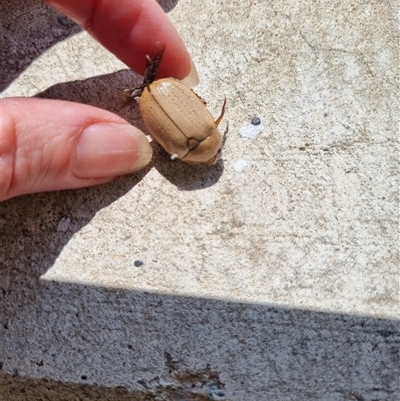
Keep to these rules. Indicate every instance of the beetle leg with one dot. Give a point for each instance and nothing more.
(204, 102)
(128, 96)
(218, 120)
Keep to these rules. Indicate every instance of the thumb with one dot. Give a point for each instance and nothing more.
(48, 145)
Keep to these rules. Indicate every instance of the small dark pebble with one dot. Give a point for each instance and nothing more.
(138, 263)
(84, 377)
(40, 363)
(255, 121)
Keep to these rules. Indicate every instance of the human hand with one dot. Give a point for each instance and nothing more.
(48, 145)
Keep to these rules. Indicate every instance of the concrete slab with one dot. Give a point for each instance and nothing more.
(273, 275)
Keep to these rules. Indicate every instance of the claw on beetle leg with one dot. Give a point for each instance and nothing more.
(218, 120)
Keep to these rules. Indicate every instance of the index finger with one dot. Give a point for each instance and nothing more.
(131, 29)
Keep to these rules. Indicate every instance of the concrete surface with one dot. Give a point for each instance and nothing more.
(271, 276)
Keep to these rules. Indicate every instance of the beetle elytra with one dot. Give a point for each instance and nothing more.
(176, 117)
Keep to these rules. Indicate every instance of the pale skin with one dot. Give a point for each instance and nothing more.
(48, 145)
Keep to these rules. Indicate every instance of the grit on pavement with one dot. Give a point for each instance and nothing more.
(273, 275)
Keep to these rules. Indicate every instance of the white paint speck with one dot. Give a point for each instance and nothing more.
(240, 165)
(63, 224)
(251, 131)
(174, 156)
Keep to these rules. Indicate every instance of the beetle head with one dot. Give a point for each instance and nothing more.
(128, 96)
(152, 66)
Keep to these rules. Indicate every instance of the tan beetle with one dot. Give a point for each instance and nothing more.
(176, 117)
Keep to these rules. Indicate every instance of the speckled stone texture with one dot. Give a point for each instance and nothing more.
(273, 275)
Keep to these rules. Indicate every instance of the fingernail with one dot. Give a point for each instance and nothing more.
(192, 79)
(110, 149)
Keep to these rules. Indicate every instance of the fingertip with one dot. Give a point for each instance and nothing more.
(49, 145)
(131, 30)
(192, 79)
(109, 150)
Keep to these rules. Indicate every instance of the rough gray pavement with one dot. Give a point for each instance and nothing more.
(273, 275)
